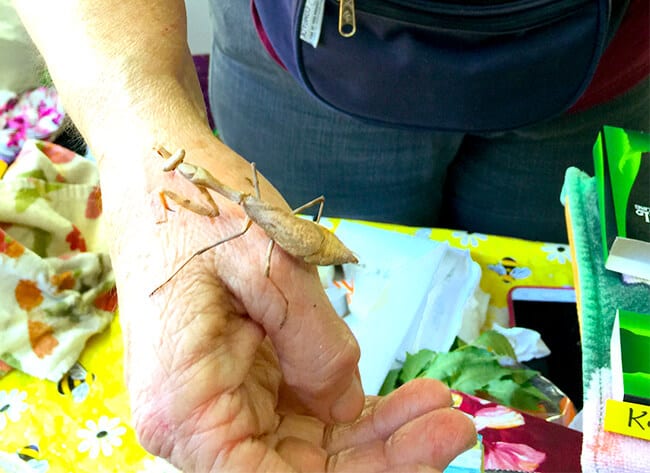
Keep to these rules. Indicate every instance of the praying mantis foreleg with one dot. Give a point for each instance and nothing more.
(171, 162)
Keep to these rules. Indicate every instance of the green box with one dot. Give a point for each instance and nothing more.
(622, 168)
(630, 357)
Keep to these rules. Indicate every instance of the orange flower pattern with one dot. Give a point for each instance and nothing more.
(107, 300)
(43, 264)
(28, 295)
(9, 246)
(94, 203)
(41, 338)
(63, 281)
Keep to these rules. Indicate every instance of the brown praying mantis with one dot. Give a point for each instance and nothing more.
(301, 238)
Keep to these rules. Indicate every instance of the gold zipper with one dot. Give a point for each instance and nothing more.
(347, 20)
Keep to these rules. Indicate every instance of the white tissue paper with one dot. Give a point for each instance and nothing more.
(406, 293)
(526, 343)
(474, 315)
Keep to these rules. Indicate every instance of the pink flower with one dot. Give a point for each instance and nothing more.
(16, 139)
(505, 455)
(497, 417)
(513, 456)
(35, 114)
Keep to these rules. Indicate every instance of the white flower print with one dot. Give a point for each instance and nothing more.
(469, 239)
(12, 405)
(557, 252)
(101, 436)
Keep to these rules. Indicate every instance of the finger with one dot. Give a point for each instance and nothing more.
(433, 439)
(319, 355)
(316, 349)
(305, 456)
(383, 416)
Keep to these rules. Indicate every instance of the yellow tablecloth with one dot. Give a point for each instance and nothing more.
(84, 425)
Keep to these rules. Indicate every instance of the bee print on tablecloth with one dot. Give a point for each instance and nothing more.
(76, 383)
(31, 455)
(510, 270)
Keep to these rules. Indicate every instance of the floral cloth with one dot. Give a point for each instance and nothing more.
(515, 441)
(35, 114)
(56, 281)
(83, 422)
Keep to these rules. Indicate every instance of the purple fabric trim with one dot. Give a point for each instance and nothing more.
(202, 65)
(266, 42)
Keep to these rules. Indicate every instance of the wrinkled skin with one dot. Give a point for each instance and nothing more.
(231, 371)
(227, 370)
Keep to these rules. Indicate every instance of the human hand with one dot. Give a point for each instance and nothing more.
(229, 370)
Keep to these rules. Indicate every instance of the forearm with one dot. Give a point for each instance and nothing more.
(123, 70)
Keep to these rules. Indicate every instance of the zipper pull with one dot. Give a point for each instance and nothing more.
(347, 20)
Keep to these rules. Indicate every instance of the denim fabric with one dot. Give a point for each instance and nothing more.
(499, 183)
(510, 183)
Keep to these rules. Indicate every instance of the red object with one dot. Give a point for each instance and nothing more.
(75, 239)
(625, 62)
(516, 441)
(107, 300)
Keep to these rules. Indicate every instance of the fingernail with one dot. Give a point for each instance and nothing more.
(349, 405)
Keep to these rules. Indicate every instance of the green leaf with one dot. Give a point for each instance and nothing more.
(495, 343)
(474, 369)
(503, 391)
(522, 376)
(447, 367)
(458, 343)
(477, 375)
(415, 364)
(509, 393)
(390, 383)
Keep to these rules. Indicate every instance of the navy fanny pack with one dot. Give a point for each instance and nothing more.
(472, 65)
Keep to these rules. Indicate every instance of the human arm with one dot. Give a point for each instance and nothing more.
(126, 77)
(221, 359)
